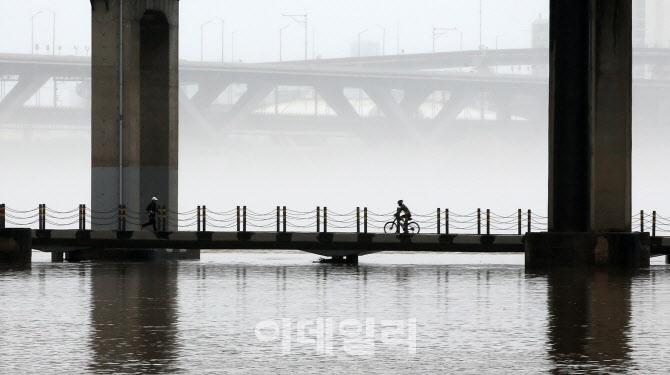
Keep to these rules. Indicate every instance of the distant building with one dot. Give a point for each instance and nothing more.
(650, 26)
(540, 33)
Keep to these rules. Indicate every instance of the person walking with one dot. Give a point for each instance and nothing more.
(151, 209)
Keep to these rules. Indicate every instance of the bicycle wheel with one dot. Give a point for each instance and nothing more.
(389, 227)
(413, 227)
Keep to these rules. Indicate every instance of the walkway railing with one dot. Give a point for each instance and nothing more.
(283, 219)
(279, 219)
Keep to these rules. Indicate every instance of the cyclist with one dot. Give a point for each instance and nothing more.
(406, 216)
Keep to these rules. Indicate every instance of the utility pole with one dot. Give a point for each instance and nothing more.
(296, 18)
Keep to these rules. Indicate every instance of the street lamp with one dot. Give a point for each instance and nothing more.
(202, 26)
(223, 23)
(359, 41)
(32, 30)
(232, 46)
(280, 40)
(498, 37)
(480, 24)
(383, 39)
(438, 32)
(296, 18)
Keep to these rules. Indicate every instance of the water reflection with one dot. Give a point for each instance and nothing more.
(589, 320)
(133, 318)
(200, 317)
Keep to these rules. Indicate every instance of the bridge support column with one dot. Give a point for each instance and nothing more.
(134, 146)
(56, 257)
(590, 90)
(16, 245)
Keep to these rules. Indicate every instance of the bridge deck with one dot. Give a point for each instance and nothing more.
(328, 244)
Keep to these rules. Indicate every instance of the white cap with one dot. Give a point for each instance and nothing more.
(154, 199)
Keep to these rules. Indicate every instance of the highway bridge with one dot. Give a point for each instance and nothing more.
(417, 95)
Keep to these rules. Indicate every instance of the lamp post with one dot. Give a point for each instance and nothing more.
(383, 29)
(32, 32)
(480, 24)
(498, 37)
(296, 18)
(223, 23)
(438, 32)
(359, 41)
(232, 46)
(397, 39)
(281, 31)
(202, 26)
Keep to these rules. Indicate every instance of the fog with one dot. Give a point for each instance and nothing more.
(472, 161)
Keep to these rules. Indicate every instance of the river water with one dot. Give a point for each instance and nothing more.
(280, 313)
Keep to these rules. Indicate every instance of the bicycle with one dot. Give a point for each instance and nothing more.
(392, 226)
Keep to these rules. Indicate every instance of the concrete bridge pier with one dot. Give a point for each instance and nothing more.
(134, 119)
(16, 245)
(57, 257)
(590, 90)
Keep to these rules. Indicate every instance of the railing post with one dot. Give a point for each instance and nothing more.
(278, 219)
(446, 221)
(83, 221)
(530, 228)
(204, 218)
(159, 218)
(198, 228)
(641, 220)
(488, 221)
(2, 216)
(519, 225)
(238, 218)
(318, 219)
(358, 220)
(653, 224)
(325, 220)
(284, 212)
(479, 221)
(438, 220)
(365, 219)
(123, 217)
(244, 218)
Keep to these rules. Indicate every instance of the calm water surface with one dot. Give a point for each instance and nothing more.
(279, 313)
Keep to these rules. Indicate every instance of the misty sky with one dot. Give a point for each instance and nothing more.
(474, 166)
(256, 24)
